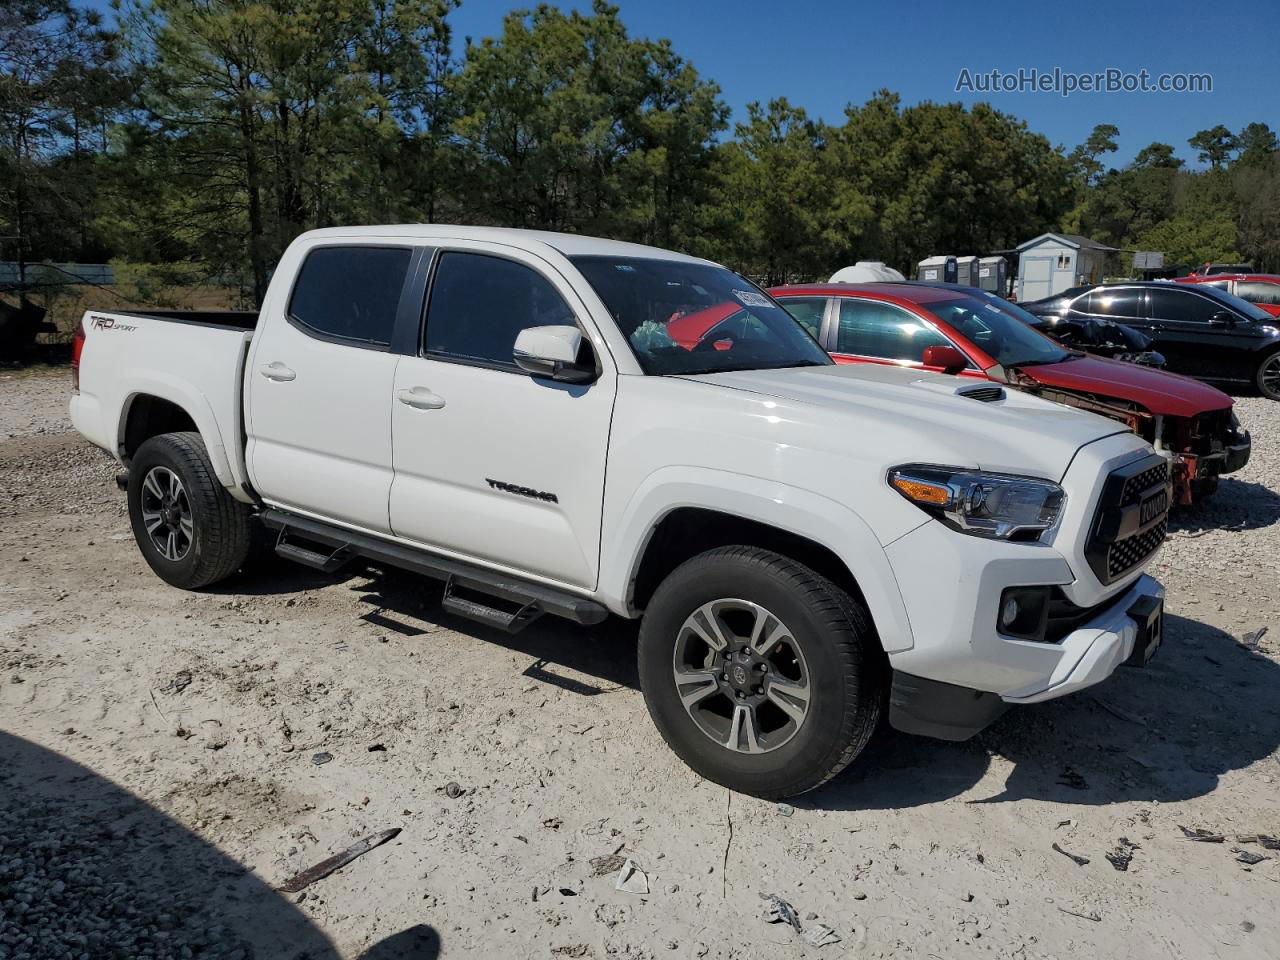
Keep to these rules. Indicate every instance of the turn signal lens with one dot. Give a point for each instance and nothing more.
(921, 492)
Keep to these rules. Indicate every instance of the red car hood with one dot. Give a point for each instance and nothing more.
(1159, 391)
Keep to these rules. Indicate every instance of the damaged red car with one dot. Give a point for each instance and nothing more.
(971, 333)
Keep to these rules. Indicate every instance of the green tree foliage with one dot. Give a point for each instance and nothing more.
(262, 118)
(771, 202)
(1214, 146)
(913, 181)
(569, 123)
(1084, 158)
(58, 95)
(1257, 143)
(212, 132)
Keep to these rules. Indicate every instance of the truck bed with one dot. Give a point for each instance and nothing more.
(193, 359)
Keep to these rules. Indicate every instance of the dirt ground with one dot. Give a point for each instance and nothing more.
(176, 741)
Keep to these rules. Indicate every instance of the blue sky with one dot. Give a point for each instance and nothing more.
(823, 54)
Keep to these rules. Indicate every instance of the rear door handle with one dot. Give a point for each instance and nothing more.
(420, 398)
(277, 371)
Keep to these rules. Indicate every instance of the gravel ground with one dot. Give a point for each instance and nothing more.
(165, 769)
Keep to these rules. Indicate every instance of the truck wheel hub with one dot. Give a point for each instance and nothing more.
(166, 513)
(741, 676)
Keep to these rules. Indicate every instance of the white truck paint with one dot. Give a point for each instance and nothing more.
(425, 452)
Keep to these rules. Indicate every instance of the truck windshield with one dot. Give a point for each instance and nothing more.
(999, 328)
(685, 318)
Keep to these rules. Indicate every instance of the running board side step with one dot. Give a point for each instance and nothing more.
(463, 581)
(324, 562)
(473, 609)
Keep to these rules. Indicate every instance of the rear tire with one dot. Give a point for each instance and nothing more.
(772, 724)
(190, 530)
(1267, 377)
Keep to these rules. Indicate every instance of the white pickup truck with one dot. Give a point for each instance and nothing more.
(809, 545)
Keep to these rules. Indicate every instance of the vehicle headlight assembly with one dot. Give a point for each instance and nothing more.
(993, 505)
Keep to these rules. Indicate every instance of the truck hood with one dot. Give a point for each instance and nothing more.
(927, 415)
(1159, 391)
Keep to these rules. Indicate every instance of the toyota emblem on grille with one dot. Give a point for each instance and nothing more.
(1154, 506)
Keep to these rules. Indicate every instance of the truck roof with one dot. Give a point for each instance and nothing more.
(533, 241)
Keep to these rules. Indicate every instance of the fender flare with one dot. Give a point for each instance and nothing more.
(803, 513)
(194, 403)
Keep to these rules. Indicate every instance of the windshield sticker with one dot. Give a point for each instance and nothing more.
(749, 298)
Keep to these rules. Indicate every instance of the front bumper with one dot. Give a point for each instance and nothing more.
(1119, 635)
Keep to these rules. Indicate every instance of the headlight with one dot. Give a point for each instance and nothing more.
(993, 505)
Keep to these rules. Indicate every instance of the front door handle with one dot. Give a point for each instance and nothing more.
(420, 398)
(277, 371)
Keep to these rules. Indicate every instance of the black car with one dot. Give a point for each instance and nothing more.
(1202, 332)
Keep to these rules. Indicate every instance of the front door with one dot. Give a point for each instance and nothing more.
(1184, 326)
(492, 464)
(318, 385)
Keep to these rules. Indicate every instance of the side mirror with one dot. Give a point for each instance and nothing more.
(1222, 319)
(948, 358)
(556, 352)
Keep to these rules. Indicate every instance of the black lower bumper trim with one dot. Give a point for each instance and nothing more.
(1237, 454)
(930, 708)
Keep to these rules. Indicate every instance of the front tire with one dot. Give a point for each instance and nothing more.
(762, 675)
(190, 530)
(1267, 377)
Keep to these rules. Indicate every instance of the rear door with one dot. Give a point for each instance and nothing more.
(491, 464)
(879, 332)
(1183, 326)
(318, 384)
(810, 313)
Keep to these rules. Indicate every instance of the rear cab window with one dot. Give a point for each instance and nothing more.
(350, 294)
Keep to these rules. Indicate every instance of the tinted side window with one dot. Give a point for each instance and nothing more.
(480, 303)
(1256, 292)
(808, 312)
(1181, 306)
(872, 329)
(1116, 303)
(350, 292)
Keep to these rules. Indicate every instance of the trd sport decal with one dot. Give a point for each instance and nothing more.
(110, 323)
(522, 491)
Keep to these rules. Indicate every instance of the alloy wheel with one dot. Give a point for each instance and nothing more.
(1270, 375)
(166, 513)
(741, 676)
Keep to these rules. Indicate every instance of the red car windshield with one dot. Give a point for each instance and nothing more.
(686, 318)
(1000, 329)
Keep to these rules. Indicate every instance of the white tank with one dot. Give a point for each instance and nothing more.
(866, 271)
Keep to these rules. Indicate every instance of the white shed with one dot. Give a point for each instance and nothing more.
(1054, 262)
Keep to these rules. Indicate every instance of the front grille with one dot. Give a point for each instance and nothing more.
(1126, 554)
(1131, 522)
(1136, 486)
(985, 394)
